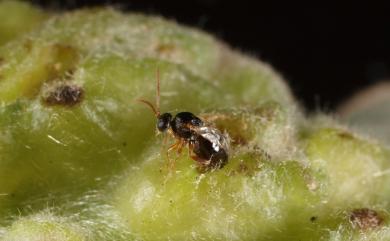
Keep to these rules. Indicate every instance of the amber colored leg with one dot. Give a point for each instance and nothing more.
(180, 146)
(197, 159)
(165, 140)
(164, 143)
(174, 146)
(203, 165)
(177, 145)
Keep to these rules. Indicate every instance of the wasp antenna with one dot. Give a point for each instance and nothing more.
(150, 105)
(158, 92)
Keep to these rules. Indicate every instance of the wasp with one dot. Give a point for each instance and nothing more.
(206, 144)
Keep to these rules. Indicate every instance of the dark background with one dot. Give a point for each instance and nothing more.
(326, 53)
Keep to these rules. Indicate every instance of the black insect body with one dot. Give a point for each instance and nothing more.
(181, 125)
(207, 143)
(208, 146)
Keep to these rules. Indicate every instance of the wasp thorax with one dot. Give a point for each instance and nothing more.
(196, 121)
(163, 121)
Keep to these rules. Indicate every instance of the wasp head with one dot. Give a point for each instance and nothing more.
(163, 122)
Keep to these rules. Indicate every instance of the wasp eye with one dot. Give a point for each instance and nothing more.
(163, 122)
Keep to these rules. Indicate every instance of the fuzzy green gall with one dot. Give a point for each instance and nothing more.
(79, 158)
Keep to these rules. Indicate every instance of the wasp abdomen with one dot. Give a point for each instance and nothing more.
(208, 153)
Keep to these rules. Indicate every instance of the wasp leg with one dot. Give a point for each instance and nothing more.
(176, 146)
(202, 165)
(180, 146)
(192, 154)
(190, 148)
(164, 142)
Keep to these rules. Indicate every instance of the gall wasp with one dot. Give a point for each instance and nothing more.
(206, 144)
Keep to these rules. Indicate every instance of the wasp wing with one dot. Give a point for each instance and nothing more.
(212, 134)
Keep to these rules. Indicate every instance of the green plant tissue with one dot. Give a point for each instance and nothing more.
(80, 159)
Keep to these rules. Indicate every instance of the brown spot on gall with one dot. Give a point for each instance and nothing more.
(65, 94)
(28, 45)
(266, 112)
(242, 168)
(165, 49)
(238, 140)
(365, 219)
(246, 167)
(345, 135)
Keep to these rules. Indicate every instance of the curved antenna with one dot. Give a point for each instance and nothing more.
(150, 105)
(158, 92)
(156, 110)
